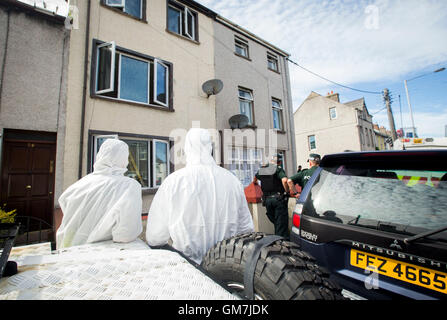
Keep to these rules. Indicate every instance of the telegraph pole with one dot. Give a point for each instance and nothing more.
(386, 97)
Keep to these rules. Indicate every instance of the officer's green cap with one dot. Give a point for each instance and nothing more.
(314, 157)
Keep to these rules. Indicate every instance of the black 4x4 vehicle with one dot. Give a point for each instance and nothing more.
(377, 221)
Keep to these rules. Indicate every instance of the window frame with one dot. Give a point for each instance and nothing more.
(271, 56)
(255, 157)
(155, 86)
(112, 68)
(121, 8)
(251, 104)
(330, 113)
(310, 143)
(152, 103)
(242, 43)
(154, 141)
(119, 78)
(280, 110)
(184, 11)
(152, 187)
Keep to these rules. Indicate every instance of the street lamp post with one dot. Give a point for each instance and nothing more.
(408, 97)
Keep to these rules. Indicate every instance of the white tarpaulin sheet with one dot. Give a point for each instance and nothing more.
(107, 271)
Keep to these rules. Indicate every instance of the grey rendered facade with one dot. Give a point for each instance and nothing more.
(248, 71)
(324, 125)
(34, 51)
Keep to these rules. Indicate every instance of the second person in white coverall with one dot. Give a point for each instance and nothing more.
(199, 205)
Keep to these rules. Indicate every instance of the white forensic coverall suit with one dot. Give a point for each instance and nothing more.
(199, 205)
(103, 205)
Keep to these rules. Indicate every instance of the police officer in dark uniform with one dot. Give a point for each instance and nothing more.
(275, 189)
(303, 176)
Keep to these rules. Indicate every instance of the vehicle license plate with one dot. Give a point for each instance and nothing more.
(420, 276)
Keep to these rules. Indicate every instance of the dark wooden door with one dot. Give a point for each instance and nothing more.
(28, 178)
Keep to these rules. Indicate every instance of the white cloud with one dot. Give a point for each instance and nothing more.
(343, 42)
(427, 124)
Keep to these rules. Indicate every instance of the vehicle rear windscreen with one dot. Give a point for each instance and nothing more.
(401, 201)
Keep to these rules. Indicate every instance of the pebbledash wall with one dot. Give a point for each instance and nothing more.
(34, 54)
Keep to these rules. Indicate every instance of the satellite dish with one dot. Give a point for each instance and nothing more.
(238, 121)
(212, 87)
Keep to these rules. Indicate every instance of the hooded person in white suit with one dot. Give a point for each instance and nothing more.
(199, 205)
(103, 205)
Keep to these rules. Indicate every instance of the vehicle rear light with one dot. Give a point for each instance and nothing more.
(296, 220)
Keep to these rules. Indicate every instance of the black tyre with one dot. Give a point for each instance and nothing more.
(283, 271)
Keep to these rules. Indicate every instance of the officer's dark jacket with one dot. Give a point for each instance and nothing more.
(270, 177)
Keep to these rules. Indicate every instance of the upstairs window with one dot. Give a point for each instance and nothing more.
(131, 7)
(182, 20)
(246, 104)
(128, 76)
(149, 161)
(333, 113)
(277, 115)
(272, 62)
(312, 142)
(241, 47)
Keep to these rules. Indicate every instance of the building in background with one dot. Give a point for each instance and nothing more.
(324, 125)
(383, 138)
(34, 55)
(256, 84)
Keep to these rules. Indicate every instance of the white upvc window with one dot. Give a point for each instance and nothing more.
(272, 62)
(105, 68)
(124, 75)
(241, 47)
(134, 75)
(190, 24)
(161, 81)
(244, 163)
(333, 113)
(131, 7)
(149, 160)
(116, 3)
(160, 161)
(312, 142)
(246, 104)
(182, 20)
(277, 115)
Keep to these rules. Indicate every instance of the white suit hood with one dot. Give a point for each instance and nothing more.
(104, 205)
(199, 205)
(198, 148)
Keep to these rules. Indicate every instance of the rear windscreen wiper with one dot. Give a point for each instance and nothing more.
(424, 234)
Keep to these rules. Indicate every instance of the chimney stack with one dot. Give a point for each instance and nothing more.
(333, 96)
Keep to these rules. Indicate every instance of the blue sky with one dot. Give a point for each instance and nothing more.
(365, 44)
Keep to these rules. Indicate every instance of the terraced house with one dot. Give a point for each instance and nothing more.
(136, 71)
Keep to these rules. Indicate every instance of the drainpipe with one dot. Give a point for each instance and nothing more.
(5, 53)
(84, 89)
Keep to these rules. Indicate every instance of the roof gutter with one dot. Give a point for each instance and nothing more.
(247, 33)
(84, 89)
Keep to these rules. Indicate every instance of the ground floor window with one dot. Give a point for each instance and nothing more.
(148, 158)
(244, 163)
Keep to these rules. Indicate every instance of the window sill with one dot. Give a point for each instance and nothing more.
(152, 106)
(182, 37)
(250, 126)
(241, 56)
(273, 70)
(146, 191)
(280, 131)
(143, 20)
